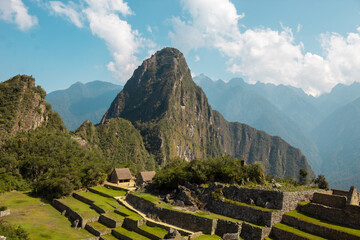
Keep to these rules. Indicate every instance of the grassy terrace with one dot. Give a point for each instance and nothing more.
(100, 201)
(157, 231)
(109, 237)
(249, 205)
(114, 216)
(208, 237)
(298, 232)
(131, 234)
(98, 226)
(39, 218)
(160, 203)
(326, 224)
(128, 213)
(110, 192)
(81, 208)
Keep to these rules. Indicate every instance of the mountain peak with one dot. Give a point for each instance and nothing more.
(175, 119)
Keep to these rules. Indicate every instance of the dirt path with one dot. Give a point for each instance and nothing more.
(126, 204)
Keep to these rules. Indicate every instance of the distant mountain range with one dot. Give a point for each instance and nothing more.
(324, 128)
(81, 102)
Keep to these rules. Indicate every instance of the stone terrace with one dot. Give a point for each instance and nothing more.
(333, 214)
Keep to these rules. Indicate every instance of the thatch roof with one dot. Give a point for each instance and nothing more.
(123, 173)
(147, 176)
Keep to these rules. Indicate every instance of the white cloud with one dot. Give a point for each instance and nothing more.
(299, 27)
(148, 28)
(105, 19)
(69, 11)
(267, 55)
(14, 11)
(197, 58)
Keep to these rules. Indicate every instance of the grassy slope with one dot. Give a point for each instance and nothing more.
(110, 192)
(326, 224)
(103, 202)
(39, 218)
(81, 208)
(156, 200)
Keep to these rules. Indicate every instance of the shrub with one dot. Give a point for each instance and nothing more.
(321, 182)
(3, 208)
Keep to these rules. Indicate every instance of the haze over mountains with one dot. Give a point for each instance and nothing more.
(324, 128)
(82, 102)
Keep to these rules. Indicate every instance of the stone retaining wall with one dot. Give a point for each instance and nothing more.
(5, 213)
(72, 215)
(96, 232)
(318, 230)
(180, 219)
(281, 234)
(334, 201)
(252, 232)
(291, 199)
(99, 193)
(339, 192)
(245, 213)
(155, 224)
(111, 223)
(348, 216)
(82, 199)
(120, 236)
(285, 201)
(225, 226)
(115, 187)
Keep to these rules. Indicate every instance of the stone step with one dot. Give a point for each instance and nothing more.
(112, 219)
(245, 212)
(108, 237)
(319, 227)
(97, 229)
(284, 232)
(125, 234)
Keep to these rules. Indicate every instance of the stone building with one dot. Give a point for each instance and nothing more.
(120, 175)
(144, 177)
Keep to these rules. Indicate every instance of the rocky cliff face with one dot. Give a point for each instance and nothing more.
(175, 119)
(22, 106)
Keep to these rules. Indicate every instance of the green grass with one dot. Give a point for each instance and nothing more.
(208, 237)
(110, 192)
(39, 218)
(157, 231)
(160, 203)
(352, 231)
(131, 234)
(303, 203)
(249, 205)
(297, 232)
(128, 213)
(81, 208)
(98, 226)
(107, 204)
(109, 237)
(114, 216)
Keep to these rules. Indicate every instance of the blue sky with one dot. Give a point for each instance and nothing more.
(313, 45)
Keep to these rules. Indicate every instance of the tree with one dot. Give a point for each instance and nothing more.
(303, 174)
(321, 182)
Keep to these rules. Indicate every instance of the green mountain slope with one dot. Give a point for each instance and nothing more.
(175, 119)
(36, 151)
(119, 142)
(81, 102)
(242, 102)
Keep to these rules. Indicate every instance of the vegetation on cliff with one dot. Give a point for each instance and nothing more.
(218, 169)
(36, 152)
(119, 142)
